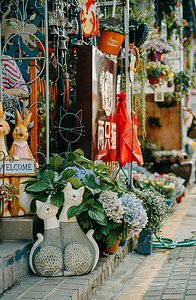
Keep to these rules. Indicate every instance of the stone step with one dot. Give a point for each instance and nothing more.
(20, 228)
(13, 262)
(14, 266)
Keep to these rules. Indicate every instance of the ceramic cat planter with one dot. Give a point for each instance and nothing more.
(64, 249)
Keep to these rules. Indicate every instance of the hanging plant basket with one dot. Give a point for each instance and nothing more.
(110, 42)
(111, 36)
(155, 56)
(153, 80)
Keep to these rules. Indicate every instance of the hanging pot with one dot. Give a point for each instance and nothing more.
(155, 56)
(153, 80)
(110, 42)
(138, 34)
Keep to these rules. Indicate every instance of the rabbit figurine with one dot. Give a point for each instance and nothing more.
(20, 147)
(4, 130)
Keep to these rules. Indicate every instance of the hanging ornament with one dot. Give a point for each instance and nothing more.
(90, 26)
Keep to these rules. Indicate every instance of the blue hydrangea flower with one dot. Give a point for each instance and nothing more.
(134, 214)
(82, 172)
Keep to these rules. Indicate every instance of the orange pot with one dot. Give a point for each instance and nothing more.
(110, 42)
(113, 248)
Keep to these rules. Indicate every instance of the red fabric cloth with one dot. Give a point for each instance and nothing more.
(11, 75)
(129, 146)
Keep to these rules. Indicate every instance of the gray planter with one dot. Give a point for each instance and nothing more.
(145, 242)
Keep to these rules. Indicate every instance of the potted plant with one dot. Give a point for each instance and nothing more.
(105, 206)
(182, 83)
(155, 72)
(154, 122)
(111, 36)
(157, 211)
(156, 48)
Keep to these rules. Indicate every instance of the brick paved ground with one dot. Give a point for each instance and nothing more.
(177, 277)
(165, 274)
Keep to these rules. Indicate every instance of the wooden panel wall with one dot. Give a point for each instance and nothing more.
(168, 135)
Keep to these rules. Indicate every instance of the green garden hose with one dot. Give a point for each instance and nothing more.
(170, 244)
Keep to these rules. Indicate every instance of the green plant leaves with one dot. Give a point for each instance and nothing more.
(75, 182)
(37, 187)
(48, 176)
(111, 239)
(57, 199)
(67, 174)
(89, 180)
(96, 214)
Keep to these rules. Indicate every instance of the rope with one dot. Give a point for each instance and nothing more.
(167, 243)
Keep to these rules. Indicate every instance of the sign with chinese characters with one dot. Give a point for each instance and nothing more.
(96, 96)
(18, 167)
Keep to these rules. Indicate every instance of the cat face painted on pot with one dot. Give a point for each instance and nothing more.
(73, 197)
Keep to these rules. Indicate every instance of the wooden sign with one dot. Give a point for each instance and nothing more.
(18, 168)
(96, 96)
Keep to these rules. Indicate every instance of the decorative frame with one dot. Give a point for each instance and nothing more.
(158, 95)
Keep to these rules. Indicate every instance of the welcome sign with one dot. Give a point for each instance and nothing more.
(18, 167)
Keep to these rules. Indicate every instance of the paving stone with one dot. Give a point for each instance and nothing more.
(189, 298)
(174, 291)
(191, 292)
(173, 296)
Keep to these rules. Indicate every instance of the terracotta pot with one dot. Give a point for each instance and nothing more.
(153, 80)
(110, 42)
(157, 160)
(113, 248)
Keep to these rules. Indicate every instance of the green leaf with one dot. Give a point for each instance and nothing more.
(102, 223)
(57, 199)
(55, 162)
(104, 230)
(105, 187)
(111, 239)
(85, 195)
(75, 182)
(79, 152)
(37, 187)
(101, 167)
(29, 181)
(67, 174)
(89, 180)
(86, 224)
(33, 206)
(96, 214)
(48, 176)
(98, 205)
(72, 212)
(39, 173)
(89, 202)
(42, 196)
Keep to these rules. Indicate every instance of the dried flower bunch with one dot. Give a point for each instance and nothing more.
(8, 192)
